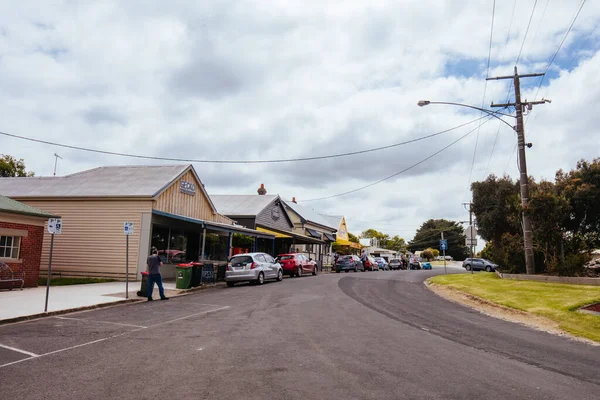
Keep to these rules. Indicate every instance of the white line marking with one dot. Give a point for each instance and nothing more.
(110, 337)
(102, 322)
(19, 350)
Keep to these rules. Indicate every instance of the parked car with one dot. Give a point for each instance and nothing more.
(296, 264)
(349, 263)
(253, 268)
(414, 263)
(371, 264)
(426, 265)
(479, 264)
(396, 263)
(448, 258)
(382, 263)
(439, 258)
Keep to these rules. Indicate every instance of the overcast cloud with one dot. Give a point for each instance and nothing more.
(251, 80)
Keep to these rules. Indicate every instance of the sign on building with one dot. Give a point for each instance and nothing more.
(187, 188)
(55, 226)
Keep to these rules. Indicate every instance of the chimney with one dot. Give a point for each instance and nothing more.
(293, 199)
(261, 190)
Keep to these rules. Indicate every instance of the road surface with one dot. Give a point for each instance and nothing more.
(369, 335)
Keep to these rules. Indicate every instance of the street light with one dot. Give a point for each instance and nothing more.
(423, 103)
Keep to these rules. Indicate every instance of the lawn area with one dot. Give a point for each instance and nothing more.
(555, 301)
(72, 281)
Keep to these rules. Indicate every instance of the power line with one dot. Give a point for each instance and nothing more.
(397, 173)
(113, 153)
(526, 32)
(559, 47)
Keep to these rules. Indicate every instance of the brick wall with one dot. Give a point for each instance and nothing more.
(30, 254)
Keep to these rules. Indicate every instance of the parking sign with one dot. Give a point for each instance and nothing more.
(128, 228)
(443, 244)
(55, 226)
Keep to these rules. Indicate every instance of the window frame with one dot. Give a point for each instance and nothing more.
(4, 247)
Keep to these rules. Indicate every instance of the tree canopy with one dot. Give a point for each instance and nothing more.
(11, 167)
(429, 235)
(395, 243)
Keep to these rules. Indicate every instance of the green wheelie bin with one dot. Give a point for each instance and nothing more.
(184, 276)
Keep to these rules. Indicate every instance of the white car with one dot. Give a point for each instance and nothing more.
(253, 268)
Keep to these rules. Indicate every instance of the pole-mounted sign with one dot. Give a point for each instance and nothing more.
(128, 231)
(54, 228)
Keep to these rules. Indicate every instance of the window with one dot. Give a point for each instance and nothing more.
(260, 258)
(269, 259)
(9, 246)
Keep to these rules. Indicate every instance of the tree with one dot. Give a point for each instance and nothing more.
(353, 238)
(11, 167)
(429, 235)
(382, 238)
(427, 254)
(396, 243)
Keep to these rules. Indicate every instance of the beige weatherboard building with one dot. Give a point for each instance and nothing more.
(167, 204)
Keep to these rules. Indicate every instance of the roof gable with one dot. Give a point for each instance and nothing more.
(310, 215)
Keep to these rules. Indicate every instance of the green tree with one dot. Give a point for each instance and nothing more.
(427, 254)
(11, 167)
(396, 243)
(429, 235)
(353, 238)
(382, 238)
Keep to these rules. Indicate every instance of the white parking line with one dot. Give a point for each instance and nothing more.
(102, 322)
(106, 338)
(19, 350)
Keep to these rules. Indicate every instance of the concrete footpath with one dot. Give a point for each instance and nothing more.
(29, 302)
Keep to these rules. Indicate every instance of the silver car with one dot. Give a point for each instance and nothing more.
(252, 267)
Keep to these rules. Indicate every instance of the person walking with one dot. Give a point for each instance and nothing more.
(153, 268)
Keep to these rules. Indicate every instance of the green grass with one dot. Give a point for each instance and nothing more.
(555, 301)
(72, 281)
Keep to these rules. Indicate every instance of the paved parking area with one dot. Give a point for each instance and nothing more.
(27, 340)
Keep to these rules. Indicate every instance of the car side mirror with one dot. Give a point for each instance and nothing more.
(310, 259)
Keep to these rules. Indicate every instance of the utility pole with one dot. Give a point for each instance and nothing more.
(56, 157)
(523, 178)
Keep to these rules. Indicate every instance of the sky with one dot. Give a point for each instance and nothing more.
(264, 80)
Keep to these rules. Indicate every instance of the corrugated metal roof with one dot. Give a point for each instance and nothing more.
(15, 207)
(334, 220)
(310, 215)
(111, 181)
(241, 204)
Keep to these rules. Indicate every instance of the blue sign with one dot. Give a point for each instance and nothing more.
(443, 244)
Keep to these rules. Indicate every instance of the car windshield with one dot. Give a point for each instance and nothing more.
(238, 261)
(346, 258)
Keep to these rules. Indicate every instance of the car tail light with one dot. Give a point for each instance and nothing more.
(229, 267)
(253, 265)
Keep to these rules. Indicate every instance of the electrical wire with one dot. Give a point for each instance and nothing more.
(526, 31)
(113, 153)
(559, 47)
(510, 159)
(397, 173)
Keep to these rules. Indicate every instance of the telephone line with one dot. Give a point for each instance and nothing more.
(282, 160)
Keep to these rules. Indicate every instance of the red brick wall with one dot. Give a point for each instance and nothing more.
(30, 253)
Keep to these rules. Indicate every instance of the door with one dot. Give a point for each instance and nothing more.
(264, 266)
(303, 263)
(271, 266)
(478, 263)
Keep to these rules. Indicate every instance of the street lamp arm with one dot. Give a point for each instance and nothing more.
(423, 103)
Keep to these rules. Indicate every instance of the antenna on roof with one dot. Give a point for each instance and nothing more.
(56, 157)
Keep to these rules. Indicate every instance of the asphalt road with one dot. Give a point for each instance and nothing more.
(372, 335)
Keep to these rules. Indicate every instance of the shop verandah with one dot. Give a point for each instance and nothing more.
(180, 239)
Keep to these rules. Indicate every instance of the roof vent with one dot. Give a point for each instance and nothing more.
(261, 190)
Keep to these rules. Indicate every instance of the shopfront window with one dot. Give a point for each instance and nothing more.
(10, 246)
(175, 245)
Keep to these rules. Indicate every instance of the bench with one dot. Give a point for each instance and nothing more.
(7, 275)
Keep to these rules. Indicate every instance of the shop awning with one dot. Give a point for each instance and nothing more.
(276, 234)
(330, 237)
(313, 233)
(343, 242)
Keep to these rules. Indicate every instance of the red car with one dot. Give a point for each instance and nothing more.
(296, 264)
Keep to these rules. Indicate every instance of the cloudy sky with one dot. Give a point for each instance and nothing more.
(261, 80)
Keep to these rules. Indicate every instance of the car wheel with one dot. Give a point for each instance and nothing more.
(230, 284)
(468, 267)
(299, 272)
(346, 270)
(337, 271)
(279, 276)
(488, 268)
(314, 270)
(261, 278)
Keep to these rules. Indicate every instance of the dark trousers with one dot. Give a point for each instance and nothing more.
(158, 279)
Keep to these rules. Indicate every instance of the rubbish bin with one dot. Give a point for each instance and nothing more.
(143, 292)
(184, 276)
(196, 273)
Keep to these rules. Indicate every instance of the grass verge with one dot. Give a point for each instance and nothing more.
(555, 301)
(72, 281)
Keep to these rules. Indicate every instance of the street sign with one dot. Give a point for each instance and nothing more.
(471, 242)
(443, 244)
(55, 226)
(471, 232)
(128, 228)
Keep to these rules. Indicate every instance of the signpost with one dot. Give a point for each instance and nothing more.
(54, 228)
(128, 231)
(444, 247)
